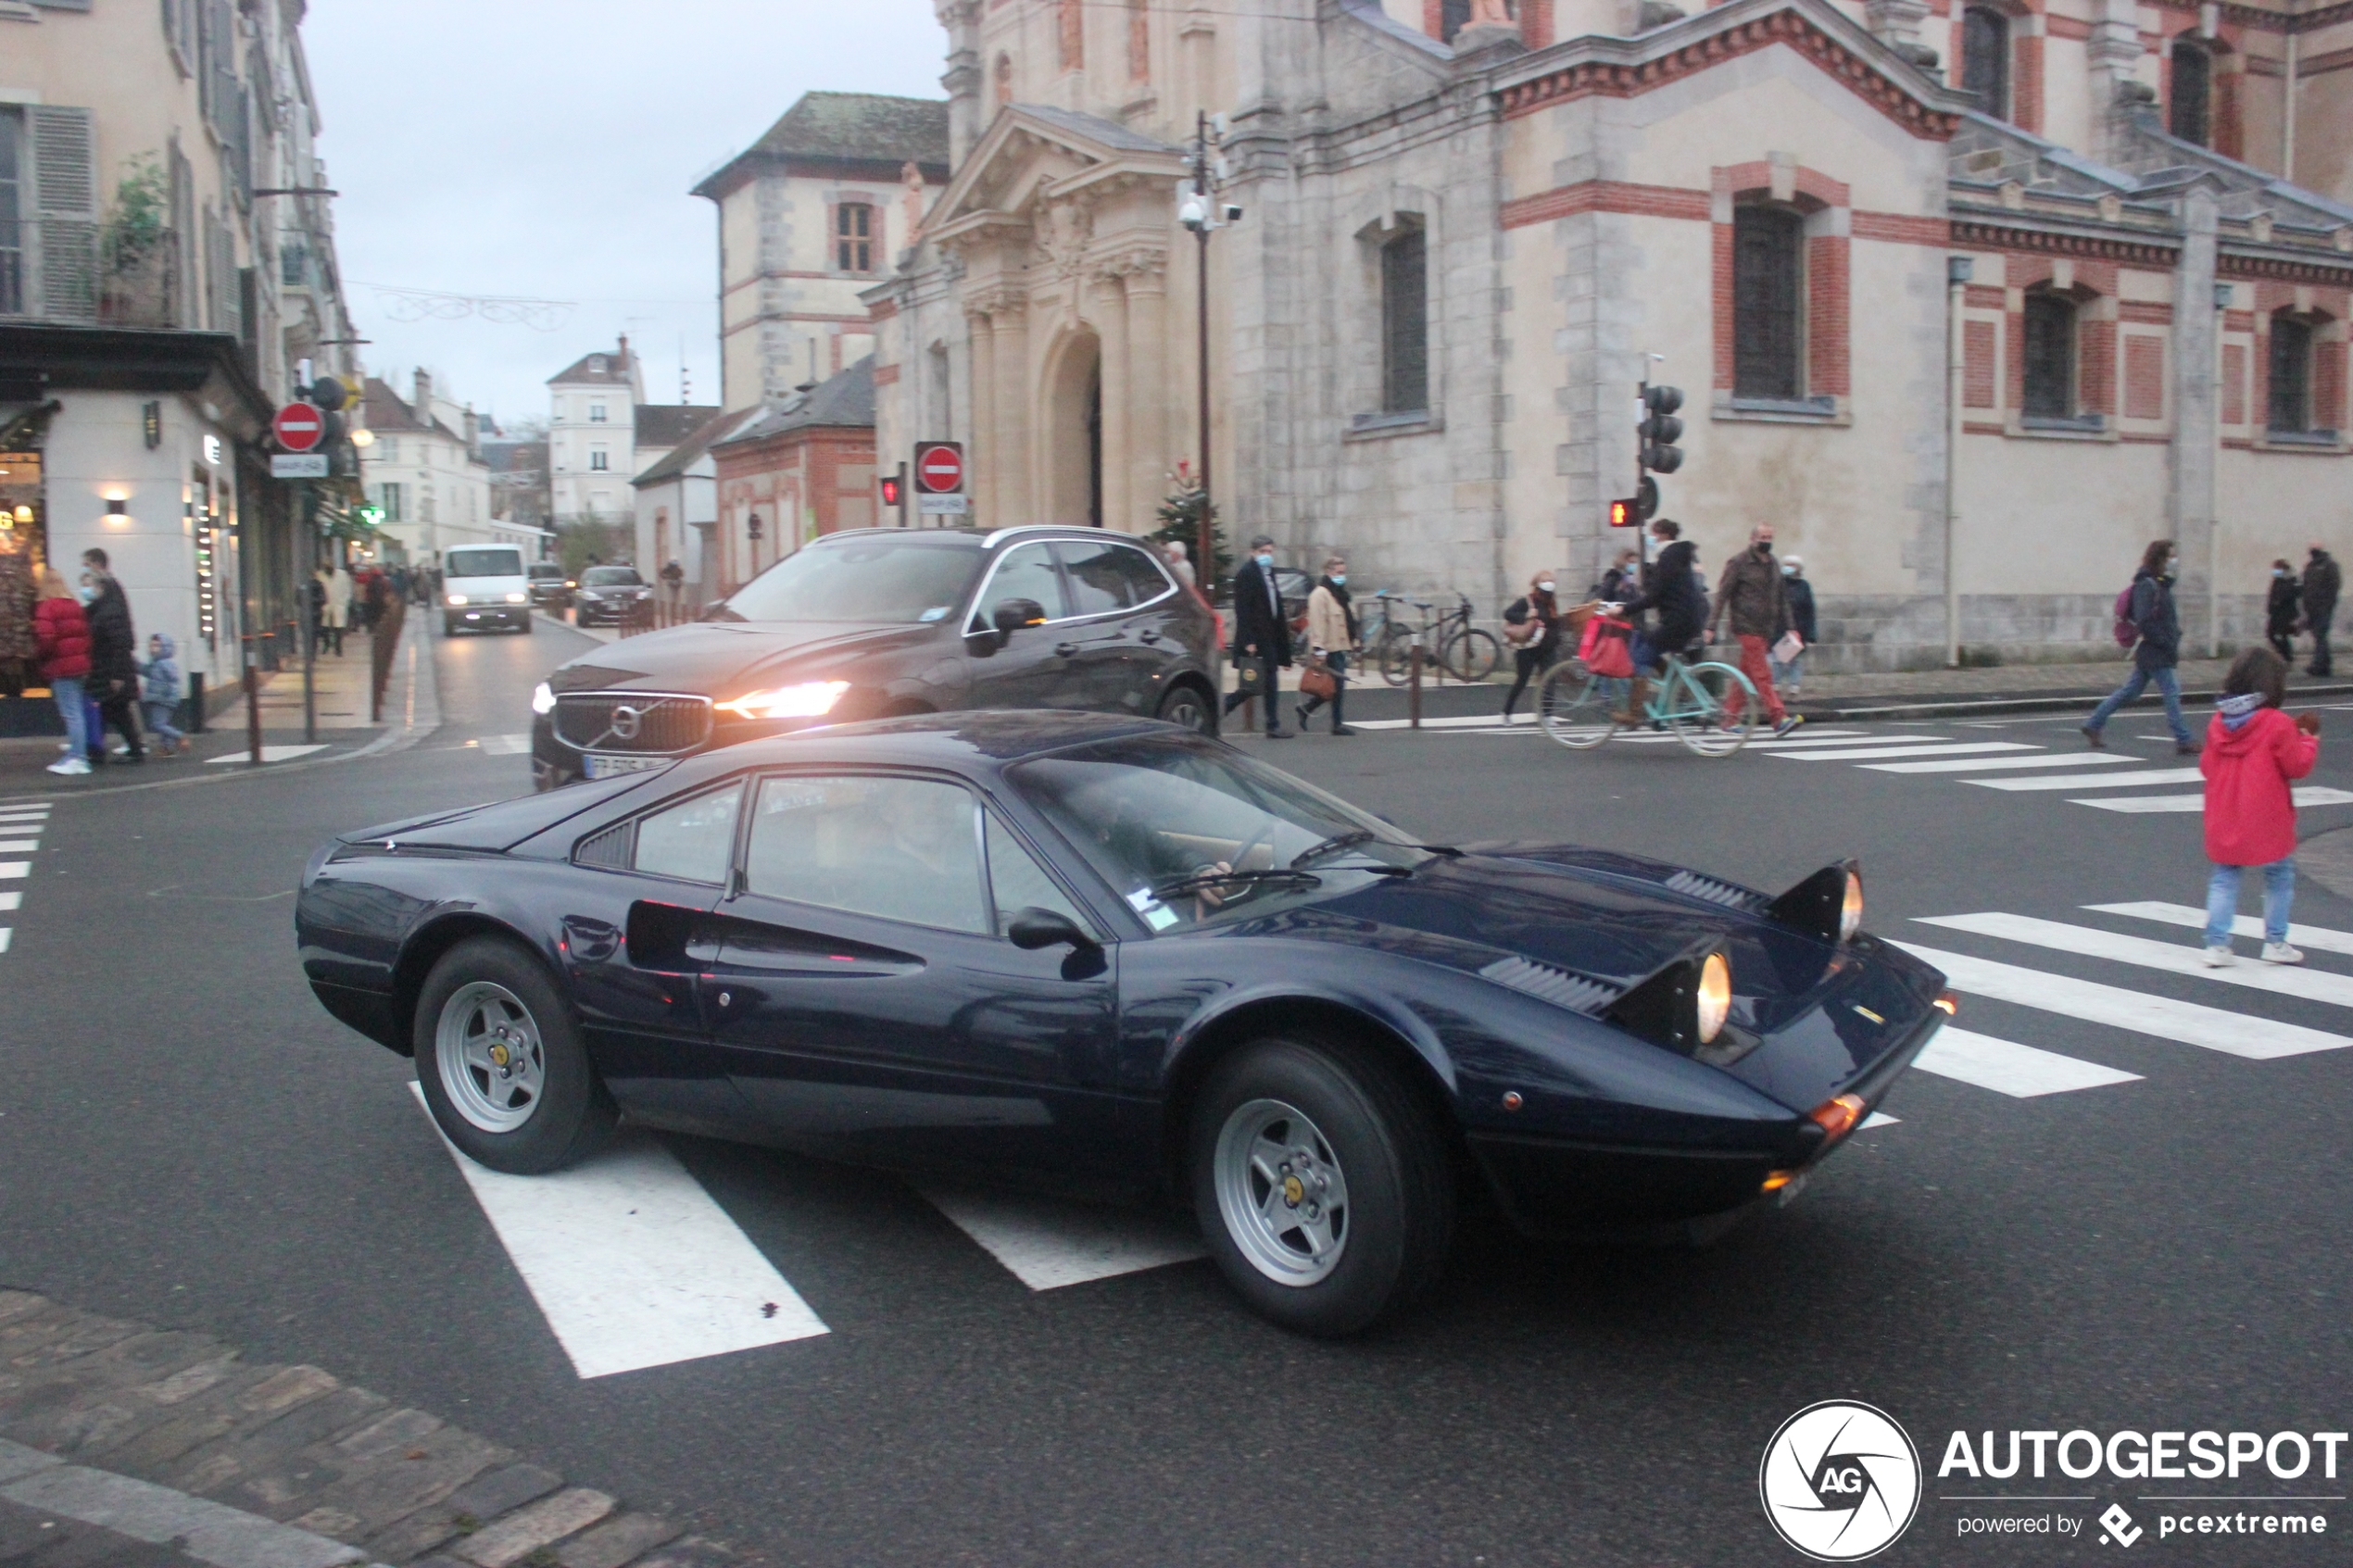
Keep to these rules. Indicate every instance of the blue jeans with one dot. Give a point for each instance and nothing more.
(1786, 675)
(67, 692)
(2168, 683)
(2222, 902)
(159, 717)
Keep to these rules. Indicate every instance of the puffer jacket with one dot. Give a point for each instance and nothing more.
(62, 633)
(159, 677)
(2250, 812)
(1676, 594)
(2158, 621)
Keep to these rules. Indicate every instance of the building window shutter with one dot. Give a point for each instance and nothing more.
(1767, 289)
(2192, 72)
(2291, 411)
(64, 176)
(2050, 356)
(1985, 59)
(1405, 307)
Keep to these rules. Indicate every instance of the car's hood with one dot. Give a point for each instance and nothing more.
(498, 824)
(712, 655)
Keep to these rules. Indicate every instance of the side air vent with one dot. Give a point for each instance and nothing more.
(610, 848)
(1694, 886)
(1555, 985)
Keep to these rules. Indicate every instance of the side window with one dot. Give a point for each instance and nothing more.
(1098, 582)
(693, 840)
(1026, 571)
(2050, 356)
(904, 849)
(1019, 883)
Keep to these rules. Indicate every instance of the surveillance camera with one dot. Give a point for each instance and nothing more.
(1233, 213)
(1192, 213)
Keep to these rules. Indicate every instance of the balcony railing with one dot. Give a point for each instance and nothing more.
(84, 275)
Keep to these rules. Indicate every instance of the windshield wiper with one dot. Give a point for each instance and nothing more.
(1167, 890)
(1332, 845)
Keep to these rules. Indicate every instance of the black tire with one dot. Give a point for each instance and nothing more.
(1399, 1180)
(1473, 656)
(570, 1118)
(1186, 704)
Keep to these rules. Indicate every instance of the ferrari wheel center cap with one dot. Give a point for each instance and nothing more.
(1294, 1191)
(499, 1055)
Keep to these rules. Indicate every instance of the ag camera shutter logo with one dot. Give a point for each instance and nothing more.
(1839, 1481)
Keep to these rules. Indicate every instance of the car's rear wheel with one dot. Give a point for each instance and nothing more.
(1187, 706)
(1322, 1185)
(501, 1063)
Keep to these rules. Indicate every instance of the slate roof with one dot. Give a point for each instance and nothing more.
(695, 442)
(1105, 132)
(864, 127)
(666, 424)
(386, 412)
(615, 373)
(846, 399)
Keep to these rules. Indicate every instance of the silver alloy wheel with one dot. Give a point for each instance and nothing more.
(492, 1066)
(1281, 1193)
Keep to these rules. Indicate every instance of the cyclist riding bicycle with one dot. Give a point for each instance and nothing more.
(1675, 592)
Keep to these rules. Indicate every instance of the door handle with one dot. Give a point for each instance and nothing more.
(1066, 649)
(1148, 636)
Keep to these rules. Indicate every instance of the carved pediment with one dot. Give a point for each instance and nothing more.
(1036, 164)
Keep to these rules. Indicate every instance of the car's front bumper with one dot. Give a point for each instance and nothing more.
(486, 615)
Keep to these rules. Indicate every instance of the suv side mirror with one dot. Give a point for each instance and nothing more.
(1012, 615)
(1033, 928)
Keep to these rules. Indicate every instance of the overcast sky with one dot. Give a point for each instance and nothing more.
(532, 149)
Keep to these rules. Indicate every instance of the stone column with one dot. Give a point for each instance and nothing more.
(2113, 53)
(1015, 498)
(1149, 391)
(2196, 412)
(1111, 331)
(982, 449)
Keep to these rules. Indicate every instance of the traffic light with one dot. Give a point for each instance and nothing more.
(1660, 429)
(890, 490)
(1626, 514)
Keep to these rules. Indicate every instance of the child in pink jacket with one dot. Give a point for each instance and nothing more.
(2253, 750)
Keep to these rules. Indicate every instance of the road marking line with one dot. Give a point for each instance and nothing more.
(2106, 781)
(2318, 938)
(2283, 980)
(12, 899)
(2313, 796)
(5, 932)
(1876, 753)
(10, 814)
(1459, 721)
(1048, 1245)
(207, 1531)
(2020, 1071)
(16, 868)
(505, 746)
(2188, 1023)
(1878, 1119)
(268, 754)
(18, 846)
(1989, 764)
(632, 1262)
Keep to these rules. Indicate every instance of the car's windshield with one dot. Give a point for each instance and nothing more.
(546, 568)
(608, 576)
(1189, 833)
(873, 579)
(482, 563)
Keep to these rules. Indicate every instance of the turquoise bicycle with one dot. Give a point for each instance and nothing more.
(1711, 708)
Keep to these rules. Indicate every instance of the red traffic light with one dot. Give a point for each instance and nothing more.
(890, 490)
(1625, 514)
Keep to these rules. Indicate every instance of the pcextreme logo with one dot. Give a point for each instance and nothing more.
(1839, 1481)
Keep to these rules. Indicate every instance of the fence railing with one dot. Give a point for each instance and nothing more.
(84, 275)
(665, 608)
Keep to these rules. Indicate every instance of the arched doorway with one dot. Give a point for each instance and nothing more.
(1074, 431)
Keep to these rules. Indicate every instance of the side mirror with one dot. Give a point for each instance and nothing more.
(1012, 615)
(1034, 928)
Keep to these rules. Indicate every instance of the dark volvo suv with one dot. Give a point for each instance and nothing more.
(882, 621)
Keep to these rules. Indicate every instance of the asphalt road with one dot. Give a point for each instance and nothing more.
(186, 1138)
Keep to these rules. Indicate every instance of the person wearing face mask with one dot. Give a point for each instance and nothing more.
(2323, 581)
(114, 660)
(1750, 595)
(2283, 608)
(1261, 635)
(1532, 625)
(1331, 637)
(2158, 625)
(1788, 673)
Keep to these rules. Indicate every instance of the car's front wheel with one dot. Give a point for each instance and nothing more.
(1323, 1187)
(1186, 705)
(501, 1063)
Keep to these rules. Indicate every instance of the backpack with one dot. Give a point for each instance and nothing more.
(2127, 634)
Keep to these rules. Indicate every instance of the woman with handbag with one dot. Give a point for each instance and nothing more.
(1532, 625)
(1331, 637)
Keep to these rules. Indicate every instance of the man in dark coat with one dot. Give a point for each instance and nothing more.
(2282, 610)
(1261, 634)
(2323, 581)
(2157, 651)
(1751, 595)
(1673, 589)
(114, 661)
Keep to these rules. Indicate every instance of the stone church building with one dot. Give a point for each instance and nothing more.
(1968, 298)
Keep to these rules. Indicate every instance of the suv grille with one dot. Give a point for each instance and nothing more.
(658, 725)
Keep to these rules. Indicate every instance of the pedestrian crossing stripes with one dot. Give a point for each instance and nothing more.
(1998, 764)
(2104, 780)
(2020, 1071)
(2305, 797)
(2312, 936)
(2313, 986)
(1907, 749)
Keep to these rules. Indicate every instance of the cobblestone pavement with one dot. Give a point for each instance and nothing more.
(128, 1447)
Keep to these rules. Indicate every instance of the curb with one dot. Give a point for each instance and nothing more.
(1955, 708)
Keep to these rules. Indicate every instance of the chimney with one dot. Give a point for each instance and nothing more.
(473, 430)
(423, 400)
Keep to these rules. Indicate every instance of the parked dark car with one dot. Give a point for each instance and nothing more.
(889, 621)
(550, 589)
(1121, 959)
(613, 594)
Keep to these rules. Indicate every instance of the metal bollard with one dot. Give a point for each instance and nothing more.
(1414, 686)
(253, 712)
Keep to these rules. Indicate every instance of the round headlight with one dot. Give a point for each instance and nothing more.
(1715, 996)
(1850, 912)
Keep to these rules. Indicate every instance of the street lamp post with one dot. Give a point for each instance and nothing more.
(1957, 272)
(2223, 294)
(1199, 210)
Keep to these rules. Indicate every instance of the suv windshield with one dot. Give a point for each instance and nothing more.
(1189, 833)
(900, 581)
(482, 563)
(606, 576)
(543, 570)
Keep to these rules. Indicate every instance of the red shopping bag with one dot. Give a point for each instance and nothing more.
(1603, 648)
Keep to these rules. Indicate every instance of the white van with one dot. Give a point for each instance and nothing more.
(484, 585)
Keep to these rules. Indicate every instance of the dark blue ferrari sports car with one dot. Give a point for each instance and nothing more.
(1118, 959)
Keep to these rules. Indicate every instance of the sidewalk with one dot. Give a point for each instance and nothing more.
(411, 708)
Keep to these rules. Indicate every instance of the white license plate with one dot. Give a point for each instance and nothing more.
(601, 767)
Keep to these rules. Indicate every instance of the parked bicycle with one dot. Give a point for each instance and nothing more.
(1711, 708)
(1450, 643)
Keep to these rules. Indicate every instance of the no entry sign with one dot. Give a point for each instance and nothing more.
(939, 468)
(299, 427)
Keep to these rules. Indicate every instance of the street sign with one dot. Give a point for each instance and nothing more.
(297, 465)
(942, 506)
(299, 427)
(939, 468)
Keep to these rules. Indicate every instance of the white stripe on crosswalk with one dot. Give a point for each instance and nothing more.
(2138, 776)
(1048, 1245)
(2189, 1024)
(2020, 1071)
(1873, 754)
(16, 868)
(632, 1262)
(1989, 764)
(2311, 985)
(12, 899)
(6, 932)
(41, 815)
(2310, 795)
(18, 846)
(1878, 1119)
(2320, 938)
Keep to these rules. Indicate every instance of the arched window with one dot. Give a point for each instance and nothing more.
(1768, 292)
(1004, 80)
(1405, 321)
(2049, 357)
(1073, 30)
(1453, 16)
(2291, 377)
(1985, 58)
(2193, 84)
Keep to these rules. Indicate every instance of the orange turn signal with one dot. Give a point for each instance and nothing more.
(1778, 1180)
(1838, 1117)
(1948, 1004)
